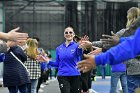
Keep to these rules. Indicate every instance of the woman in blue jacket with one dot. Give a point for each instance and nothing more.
(67, 56)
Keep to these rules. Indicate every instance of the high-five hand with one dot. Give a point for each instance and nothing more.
(87, 64)
(114, 39)
(17, 36)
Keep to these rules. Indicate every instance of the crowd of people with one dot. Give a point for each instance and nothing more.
(26, 66)
(124, 50)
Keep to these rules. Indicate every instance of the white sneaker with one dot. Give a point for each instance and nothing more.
(40, 90)
(47, 82)
(42, 86)
(92, 91)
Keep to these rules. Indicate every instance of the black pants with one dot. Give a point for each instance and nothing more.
(41, 79)
(56, 71)
(86, 81)
(69, 84)
(49, 74)
(21, 88)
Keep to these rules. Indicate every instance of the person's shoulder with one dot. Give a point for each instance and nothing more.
(19, 48)
(75, 44)
(14, 48)
(61, 45)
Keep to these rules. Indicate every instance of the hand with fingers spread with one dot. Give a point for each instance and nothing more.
(87, 64)
(84, 38)
(17, 36)
(41, 58)
(96, 51)
(85, 43)
(113, 40)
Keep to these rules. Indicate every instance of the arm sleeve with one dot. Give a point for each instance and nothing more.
(122, 52)
(125, 38)
(79, 51)
(3, 47)
(56, 63)
(121, 32)
(53, 64)
(107, 46)
(97, 43)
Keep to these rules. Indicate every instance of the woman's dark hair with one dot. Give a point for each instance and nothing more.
(48, 54)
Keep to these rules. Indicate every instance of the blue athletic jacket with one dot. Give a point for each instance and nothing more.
(129, 48)
(66, 59)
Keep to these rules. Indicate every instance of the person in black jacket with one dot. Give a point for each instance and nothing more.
(15, 75)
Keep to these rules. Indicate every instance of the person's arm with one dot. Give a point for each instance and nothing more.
(118, 54)
(56, 63)
(79, 50)
(13, 35)
(122, 52)
(4, 36)
(97, 43)
(111, 40)
(121, 32)
(53, 64)
(125, 38)
(3, 47)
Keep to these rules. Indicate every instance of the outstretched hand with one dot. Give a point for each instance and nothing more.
(41, 58)
(13, 35)
(87, 64)
(85, 43)
(114, 39)
(96, 51)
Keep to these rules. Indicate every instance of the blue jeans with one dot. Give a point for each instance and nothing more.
(14, 89)
(133, 82)
(103, 72)
(118, 86)
(114, 80)
(34, 83)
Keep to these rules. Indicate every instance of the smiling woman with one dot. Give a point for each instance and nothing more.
(67, 56)
(69, 35)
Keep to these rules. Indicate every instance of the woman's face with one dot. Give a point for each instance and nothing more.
(69, 34)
